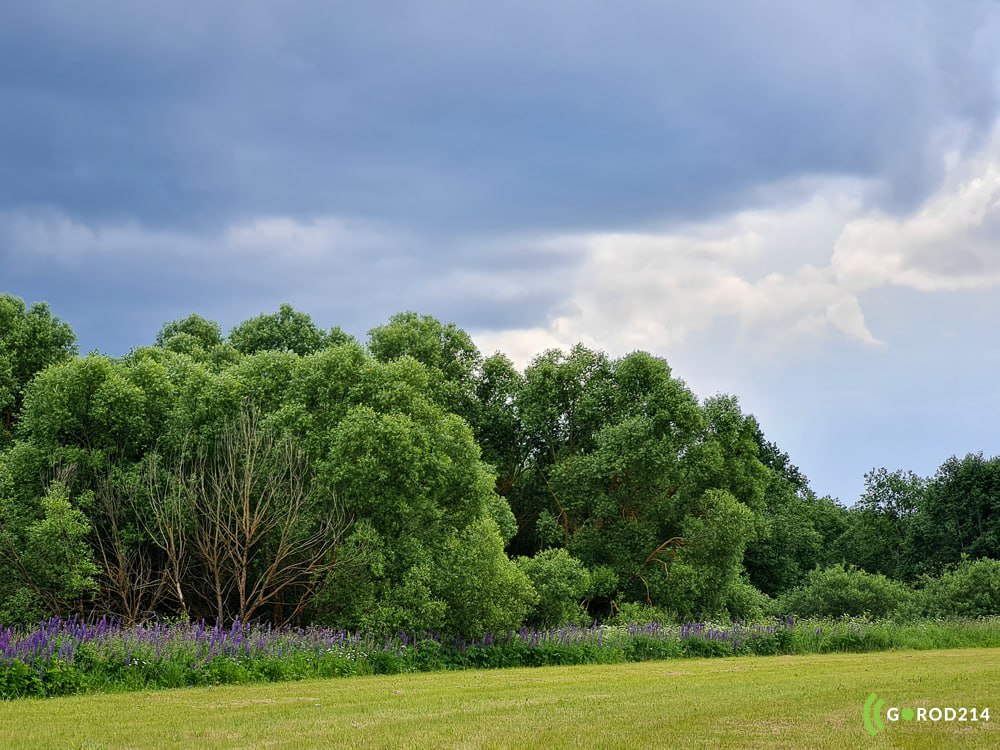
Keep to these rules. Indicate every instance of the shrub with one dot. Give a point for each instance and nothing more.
(561, 582)
(22, 608)
(18, 680)
(837, 591)
(746, 602)
(485, 591)
(972, 589)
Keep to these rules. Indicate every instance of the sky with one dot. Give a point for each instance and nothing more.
(794, 202)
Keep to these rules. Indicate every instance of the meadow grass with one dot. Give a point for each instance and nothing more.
(67, 657)
(809, 701)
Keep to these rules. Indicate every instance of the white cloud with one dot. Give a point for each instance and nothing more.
(269, 241)
(322, 239)
(793, 270)
(656, 290)
(794, 267)
(949, 244)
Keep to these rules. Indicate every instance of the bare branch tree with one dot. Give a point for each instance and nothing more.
(262, 530)
(129, 575)
(168, 523)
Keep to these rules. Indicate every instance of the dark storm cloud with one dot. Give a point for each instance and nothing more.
(445, 116)
(117, 285)
(137, 136)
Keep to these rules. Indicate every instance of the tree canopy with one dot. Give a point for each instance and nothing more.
(31, 339)
(288, 473)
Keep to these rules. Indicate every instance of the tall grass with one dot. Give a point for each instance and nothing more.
(62, 657)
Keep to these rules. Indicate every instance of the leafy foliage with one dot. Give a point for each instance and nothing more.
(561, 582)
(707, 568)
(287, 330)
(970, 589)
(51, 566)
(196, 332)
(31, 339)
(447, 351)
(844, 590)
(959, 514)
(606, 479)
(880, 530)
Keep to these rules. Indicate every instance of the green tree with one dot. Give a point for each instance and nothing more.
(31, 339)
(199, 401)
(780, 462)
(790, 538)
(496, 421)
(264, 377)
(958, 515)
(321, 390)
(207, 334)
(831, 520)
(446, 350)
(96, 404)
(565, 400)
(286, 330)
(788, 543)
(558, 408)
(485, 592)
(627, 467)
(412, 476)
(51, 565)
(877, 537)
(732, 438)
(199, 339)
(562, 583)
(706, 569)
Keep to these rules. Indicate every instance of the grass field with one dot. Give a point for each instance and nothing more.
(780, 701)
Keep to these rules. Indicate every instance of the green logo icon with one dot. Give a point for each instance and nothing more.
(872, 714)
(875, 714)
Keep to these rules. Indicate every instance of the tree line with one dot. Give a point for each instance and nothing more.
(288, 473)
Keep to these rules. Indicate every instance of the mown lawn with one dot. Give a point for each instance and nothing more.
(780, 701)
